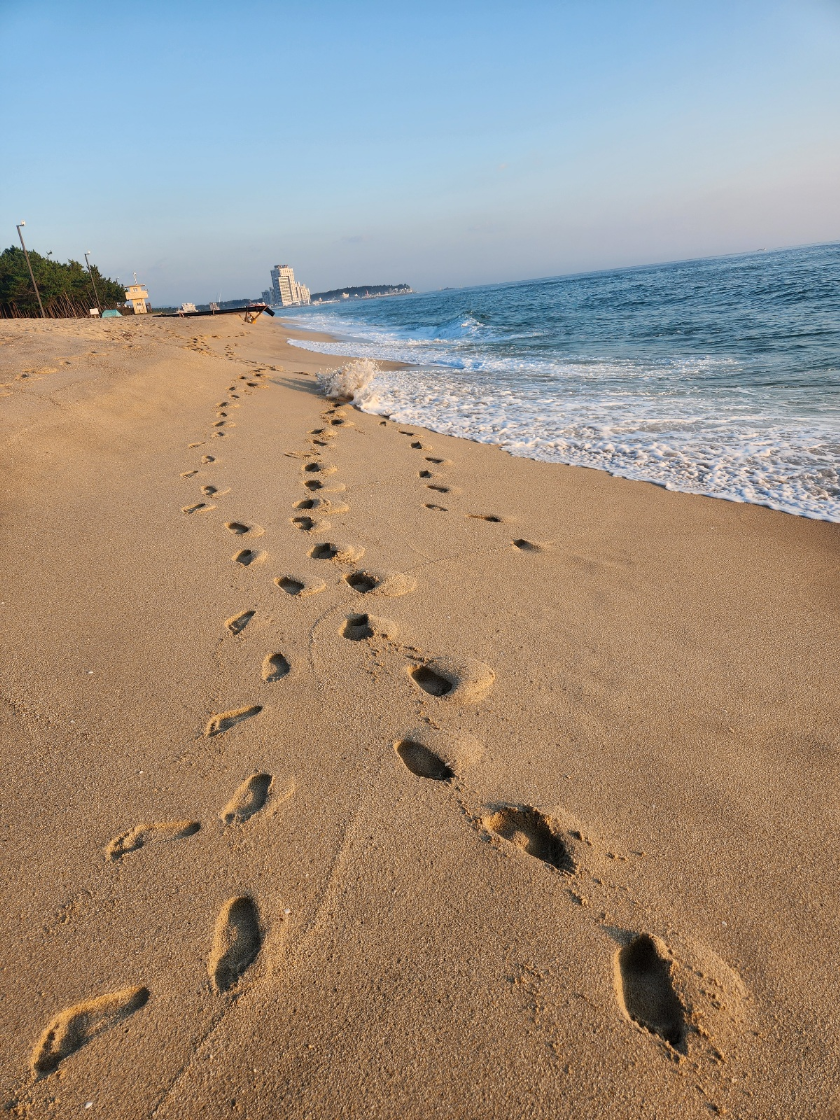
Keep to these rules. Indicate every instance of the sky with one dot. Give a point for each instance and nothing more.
(435, 144)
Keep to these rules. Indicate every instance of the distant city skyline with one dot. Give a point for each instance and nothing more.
(435, 145)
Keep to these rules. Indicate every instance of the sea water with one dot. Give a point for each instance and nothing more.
(717, 376)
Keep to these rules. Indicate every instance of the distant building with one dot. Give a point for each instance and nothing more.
(285, 290)
(137, 296)
(268, 296)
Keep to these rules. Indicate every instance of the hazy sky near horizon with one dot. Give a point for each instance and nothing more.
(435, 144)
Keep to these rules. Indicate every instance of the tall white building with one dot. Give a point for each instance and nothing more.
(286, 291)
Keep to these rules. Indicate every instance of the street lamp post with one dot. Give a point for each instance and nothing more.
(31, 273)
(90, 273)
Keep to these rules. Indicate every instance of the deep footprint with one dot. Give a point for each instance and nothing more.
(236, 943)
(430, 681)
(237, 528)
(155, 832)
(217, 725)
(275, 667)
(361, 582)
(249, 798)
(527, 829)
(357, 628)
(526, 546)
(423, 762)
(647, 993)
(78, 1025)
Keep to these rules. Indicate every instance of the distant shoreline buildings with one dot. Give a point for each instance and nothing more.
(285, 291)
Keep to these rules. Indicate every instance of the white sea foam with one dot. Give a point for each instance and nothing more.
(742, 459)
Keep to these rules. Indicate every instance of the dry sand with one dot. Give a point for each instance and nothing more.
(526, 805)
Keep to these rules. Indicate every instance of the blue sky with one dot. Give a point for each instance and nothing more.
(430, 143)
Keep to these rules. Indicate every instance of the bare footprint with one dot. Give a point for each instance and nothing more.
(530, 831)
(156, 832)
(275, 667)
(422, 761)
(238, 622)
(76, 1026)
(359, 627)
(300, 586)
(527, 546)
(340, 553)
(485, 517)
(249, 798)
(439, 509)
(199, 507)
(458, 680)
(390, 584)
(224, 721)
(188, 474)
(646, 993)
(249, 556)
(236, 942)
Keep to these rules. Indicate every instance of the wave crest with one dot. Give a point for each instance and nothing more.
(349, 383)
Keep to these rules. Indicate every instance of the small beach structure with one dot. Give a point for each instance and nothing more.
(137, 295)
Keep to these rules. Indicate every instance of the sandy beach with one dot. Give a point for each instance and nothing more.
(352, 770)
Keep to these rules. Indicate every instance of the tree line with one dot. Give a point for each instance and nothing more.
(66, 289)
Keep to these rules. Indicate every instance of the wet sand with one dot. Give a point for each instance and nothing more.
(352, 770)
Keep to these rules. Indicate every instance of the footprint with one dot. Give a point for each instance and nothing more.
(301, 587)
(434, 683)
(646, 993)
(341, 553)
(199, 507)
(249, 556)
(157, 832)
(458, 680)
(422, 761)
(362, 581)
(218, 724)
(199, 443)
(319, 468)
(485, 517)
(419, 446)
(440, 509)
(358, 627)
(316, 431)
(320, 443)
(188, 474)
(530, 831)
(404, 433)
(239, 621)
(313, 484)
(249, 798)
(440, 462)
(391, 584)
(425, 474)
(80, 1024)
(527, 546)
(214, 492)
(237, 528)
(275, 667)
(306, 524)
(208, 458)
(236, 942)
(440, 489)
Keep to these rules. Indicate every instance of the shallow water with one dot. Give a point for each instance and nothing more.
(718, 376)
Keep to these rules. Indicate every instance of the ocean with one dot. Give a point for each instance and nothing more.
(717, 376)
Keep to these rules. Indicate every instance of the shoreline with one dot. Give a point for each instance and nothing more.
(522, 771)
(459, 426)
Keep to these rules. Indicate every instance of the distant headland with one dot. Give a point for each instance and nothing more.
(366, 291)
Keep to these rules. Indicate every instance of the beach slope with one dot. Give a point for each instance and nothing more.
(352, 770)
